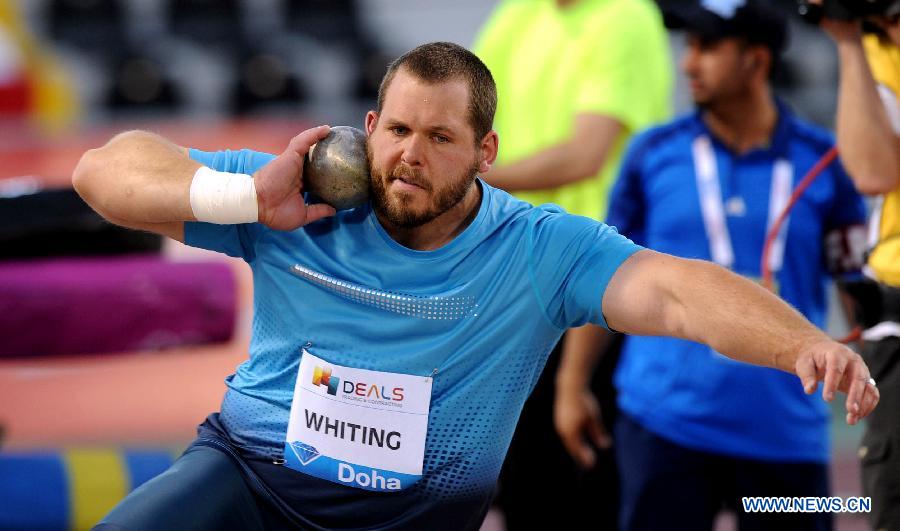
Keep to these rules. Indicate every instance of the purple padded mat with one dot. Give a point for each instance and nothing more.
(91, 305)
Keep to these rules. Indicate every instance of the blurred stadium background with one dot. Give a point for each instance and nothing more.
(108, 359)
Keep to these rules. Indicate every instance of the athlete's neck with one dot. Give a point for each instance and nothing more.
(743, 123)
(441, 230)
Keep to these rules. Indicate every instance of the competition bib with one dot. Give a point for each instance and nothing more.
(360, 428)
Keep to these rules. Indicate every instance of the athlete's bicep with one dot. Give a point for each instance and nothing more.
(639, 298)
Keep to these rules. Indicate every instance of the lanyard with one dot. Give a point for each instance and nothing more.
(713, 209)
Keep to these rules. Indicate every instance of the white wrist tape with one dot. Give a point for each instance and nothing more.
(223, 198)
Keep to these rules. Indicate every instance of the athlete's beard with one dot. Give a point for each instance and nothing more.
(398, 208)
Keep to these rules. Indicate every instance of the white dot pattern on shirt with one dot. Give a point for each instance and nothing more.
(438, 308)
(469, 434)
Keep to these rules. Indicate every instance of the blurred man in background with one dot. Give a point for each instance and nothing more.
(868, 125)
(692, 434)
(575, 78)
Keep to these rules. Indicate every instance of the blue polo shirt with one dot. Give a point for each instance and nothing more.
(684, 391)
(479, 314)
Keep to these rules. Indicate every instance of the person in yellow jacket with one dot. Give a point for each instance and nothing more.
(575, 79)
(884, 259)
(868, 133)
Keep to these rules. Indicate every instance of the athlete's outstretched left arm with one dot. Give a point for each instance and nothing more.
(657, 294)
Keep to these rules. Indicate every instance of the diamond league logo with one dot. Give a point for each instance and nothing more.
(305, 453)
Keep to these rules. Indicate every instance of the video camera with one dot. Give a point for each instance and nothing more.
(847, 9)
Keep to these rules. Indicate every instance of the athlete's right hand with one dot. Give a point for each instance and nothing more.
(576, 416)
(279, 186)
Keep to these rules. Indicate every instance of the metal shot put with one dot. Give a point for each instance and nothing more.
(336, 169)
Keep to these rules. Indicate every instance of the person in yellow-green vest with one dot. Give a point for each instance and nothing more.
(575, 79)
(868, 133)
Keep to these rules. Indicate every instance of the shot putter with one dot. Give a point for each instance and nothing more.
(336, 169)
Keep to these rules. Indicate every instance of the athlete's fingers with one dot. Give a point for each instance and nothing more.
(835, 365)
(870, 399)
(318, 211)
(806, 371)
(301, 143)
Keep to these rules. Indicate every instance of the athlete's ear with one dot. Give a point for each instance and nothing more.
(371, 122)
(488, 151)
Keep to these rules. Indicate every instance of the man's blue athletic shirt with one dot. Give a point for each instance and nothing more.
(483, 311)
